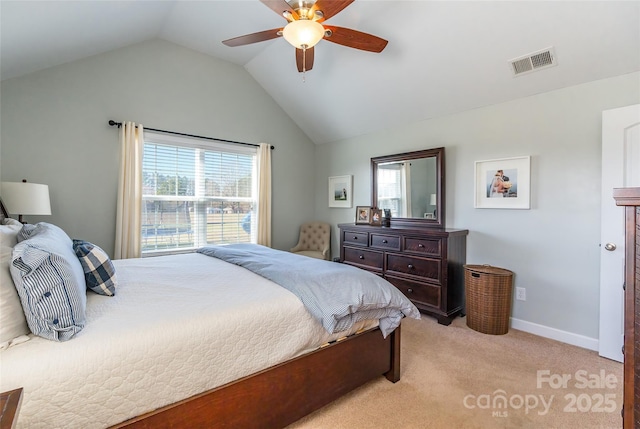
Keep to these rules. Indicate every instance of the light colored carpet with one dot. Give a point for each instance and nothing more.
(454, 377)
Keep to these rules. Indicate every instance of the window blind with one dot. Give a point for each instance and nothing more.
(196, 192)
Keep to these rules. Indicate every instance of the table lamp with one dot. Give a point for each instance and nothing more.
(24, 198)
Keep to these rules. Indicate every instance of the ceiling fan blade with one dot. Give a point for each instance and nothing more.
(253, 37)
(330, 8)
(306, 58)
(355, 39)
(279, 7)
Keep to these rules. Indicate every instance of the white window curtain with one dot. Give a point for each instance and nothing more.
(128, 215)
(406, 186)
(264, 203)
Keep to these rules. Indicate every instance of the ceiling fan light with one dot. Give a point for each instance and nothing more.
(303, 33)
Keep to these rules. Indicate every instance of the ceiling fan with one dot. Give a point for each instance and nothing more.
(304, 29)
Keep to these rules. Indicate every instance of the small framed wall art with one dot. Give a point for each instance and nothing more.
(340, 191)
(503, 183)
(363, 215)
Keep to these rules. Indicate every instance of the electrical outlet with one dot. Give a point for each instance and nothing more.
(521, 294)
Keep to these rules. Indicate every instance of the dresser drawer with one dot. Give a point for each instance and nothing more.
(386, 242)
(367, 258)
(423, 293)
(421, 267)
(355, 238)
(426, 246)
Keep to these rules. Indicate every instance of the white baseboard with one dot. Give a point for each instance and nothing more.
(555, 334)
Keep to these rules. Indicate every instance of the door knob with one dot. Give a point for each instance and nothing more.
(610, 247)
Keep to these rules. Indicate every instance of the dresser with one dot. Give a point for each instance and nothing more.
(630, 199)
(426, 264)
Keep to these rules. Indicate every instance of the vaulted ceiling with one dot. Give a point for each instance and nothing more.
(443, 56)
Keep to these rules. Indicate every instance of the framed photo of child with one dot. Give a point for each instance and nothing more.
(363, 215)
(376, 217)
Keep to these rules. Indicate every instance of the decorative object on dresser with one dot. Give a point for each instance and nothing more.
(426, 264)
(363, 214)
(630, 199)
(376, 217)
(387, 217)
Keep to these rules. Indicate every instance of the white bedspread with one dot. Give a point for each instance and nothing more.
(178, 325)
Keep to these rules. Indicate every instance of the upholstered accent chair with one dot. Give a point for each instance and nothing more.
(314, 241)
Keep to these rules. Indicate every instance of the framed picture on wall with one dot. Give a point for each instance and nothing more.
(363, 215)
(503, 183)
(340, 191)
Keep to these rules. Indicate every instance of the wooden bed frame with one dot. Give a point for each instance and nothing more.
(281, 395)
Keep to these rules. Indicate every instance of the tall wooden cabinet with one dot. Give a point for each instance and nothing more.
(426, 264)
(630, 199)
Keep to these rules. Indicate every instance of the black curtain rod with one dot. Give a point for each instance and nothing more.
(119, 124)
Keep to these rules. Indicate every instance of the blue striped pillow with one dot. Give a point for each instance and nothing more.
(99, 272)
(50, 282)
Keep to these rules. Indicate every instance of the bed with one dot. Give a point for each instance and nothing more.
(194, 341)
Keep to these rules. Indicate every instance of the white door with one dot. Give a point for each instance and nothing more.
(620, 168)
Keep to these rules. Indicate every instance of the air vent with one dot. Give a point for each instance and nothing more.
(533, 62)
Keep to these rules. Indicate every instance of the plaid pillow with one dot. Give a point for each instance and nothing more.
(99, 272)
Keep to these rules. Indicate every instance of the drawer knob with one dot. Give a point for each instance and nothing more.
(421, 245)
(410, 266)
(385, 241)
(355, 237)
(361, 256)
(410, 290)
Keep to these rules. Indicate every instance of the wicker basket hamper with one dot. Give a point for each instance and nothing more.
(488, 294)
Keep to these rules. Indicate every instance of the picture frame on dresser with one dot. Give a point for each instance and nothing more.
(376, 217)
(363, 214)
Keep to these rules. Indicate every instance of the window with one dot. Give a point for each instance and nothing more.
(196, 192)
(392, 188)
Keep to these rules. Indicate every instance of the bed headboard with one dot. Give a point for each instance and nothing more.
(3, 212)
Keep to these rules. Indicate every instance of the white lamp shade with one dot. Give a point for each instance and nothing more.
(303, 33)
(23, 198)
(433, 200)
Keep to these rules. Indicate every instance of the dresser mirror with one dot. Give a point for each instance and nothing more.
(411, 186)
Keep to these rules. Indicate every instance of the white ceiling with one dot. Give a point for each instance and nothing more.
(443, 56)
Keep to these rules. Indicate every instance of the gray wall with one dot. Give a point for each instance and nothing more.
(54, 130)
(552, 248)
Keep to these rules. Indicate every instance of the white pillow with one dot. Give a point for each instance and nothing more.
(11, 222)
(12, 320)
